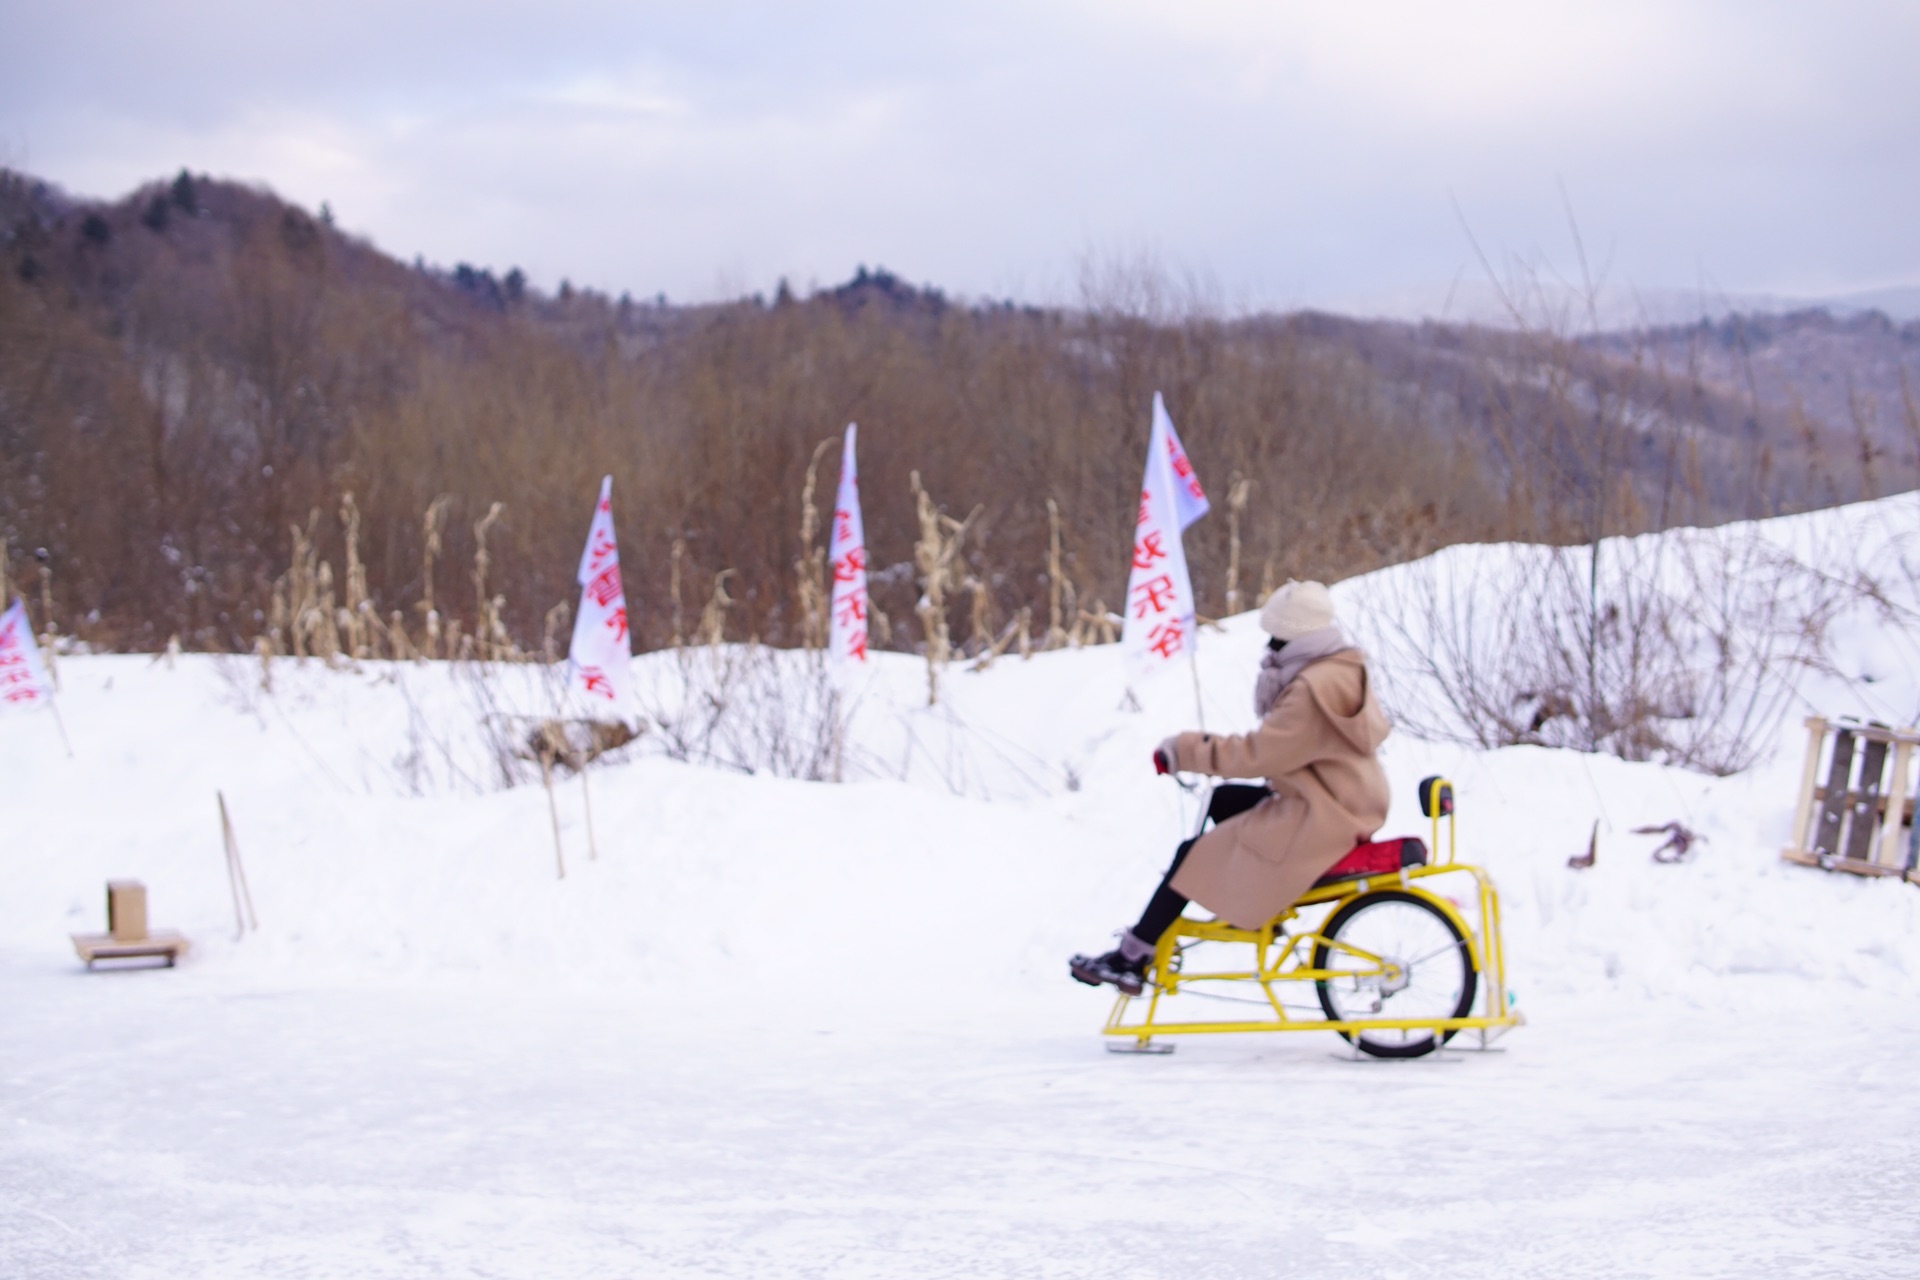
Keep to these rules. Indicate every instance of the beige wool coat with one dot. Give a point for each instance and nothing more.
(1316, 750)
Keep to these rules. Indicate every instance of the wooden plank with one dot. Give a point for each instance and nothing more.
(1809, 773)
(1890, 853)
(1913, 836)
(1863, 804)
(1835, 863)
(104, 946)
(1884, 803)
(1883, 732)
(1829, 826)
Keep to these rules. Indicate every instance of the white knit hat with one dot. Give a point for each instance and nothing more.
(1295, 609)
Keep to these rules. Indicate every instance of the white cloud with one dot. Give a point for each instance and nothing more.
(1296, 152)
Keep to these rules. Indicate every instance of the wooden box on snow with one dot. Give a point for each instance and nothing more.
(127, 936)
(127, 910)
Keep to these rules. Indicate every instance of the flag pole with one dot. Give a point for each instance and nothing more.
(553, 810)
(54, 706)
(1193, 656)
(593, 851)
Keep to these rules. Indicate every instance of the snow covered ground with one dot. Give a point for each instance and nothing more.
(780, 1028)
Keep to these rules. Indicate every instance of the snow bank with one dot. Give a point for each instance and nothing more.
(1016, 819)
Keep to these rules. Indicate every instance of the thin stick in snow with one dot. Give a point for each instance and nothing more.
(553, 808)
(593, 851)
(53, 705)
(236, 875)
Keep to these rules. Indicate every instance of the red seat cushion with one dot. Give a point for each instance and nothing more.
(1378, 858)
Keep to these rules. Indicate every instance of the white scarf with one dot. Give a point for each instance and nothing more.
(1277, 670)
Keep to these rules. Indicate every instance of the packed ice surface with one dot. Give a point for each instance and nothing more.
(785, 1028)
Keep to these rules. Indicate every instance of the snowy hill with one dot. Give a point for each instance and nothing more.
(791, 1028)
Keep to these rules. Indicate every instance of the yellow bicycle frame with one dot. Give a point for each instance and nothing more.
(1283, 956)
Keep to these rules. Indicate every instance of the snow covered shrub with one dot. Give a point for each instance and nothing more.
(1682, 647)
(748, 706)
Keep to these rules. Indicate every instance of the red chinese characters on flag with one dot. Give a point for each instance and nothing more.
(600, 657)
(1149, 549)
(1189, 499)
(1154, 597)
(1159, 622)
(847, 557)
(851, 566)
(23, 678)
(605, 588)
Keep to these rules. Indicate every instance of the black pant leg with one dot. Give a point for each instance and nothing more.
(1165, 906)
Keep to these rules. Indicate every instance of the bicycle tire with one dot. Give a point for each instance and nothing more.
(1398, 926)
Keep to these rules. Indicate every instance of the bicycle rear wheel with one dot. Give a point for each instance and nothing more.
(1428, 971)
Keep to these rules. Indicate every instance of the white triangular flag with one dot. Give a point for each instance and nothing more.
(1160, 619)
(600, 659)
(23, 677)
(847, 557)
(1188, 498)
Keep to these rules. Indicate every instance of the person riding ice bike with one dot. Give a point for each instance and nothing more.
(1320, 729)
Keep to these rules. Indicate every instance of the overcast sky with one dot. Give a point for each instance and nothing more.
(1331, 154)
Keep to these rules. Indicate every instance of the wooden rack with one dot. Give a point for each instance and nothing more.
(1861, 819)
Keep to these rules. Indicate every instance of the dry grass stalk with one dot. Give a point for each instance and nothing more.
(713, 618)
(679, 609)
(294, 592)
(934, 553)
(279, 630)
(359, 636)
(981, 611)
(1238, 490)
(263, 647)
(323, 621)
(557, 620)
(1014, 633)
(378, 638)
(487, 628)
(430, 525)
(1060, 598)
(500, 643)
(50, 631)
(810, 570)
(1268, 581)
(1100, 626)
(398, 646)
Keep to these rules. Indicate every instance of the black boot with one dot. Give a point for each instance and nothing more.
(1115, 967)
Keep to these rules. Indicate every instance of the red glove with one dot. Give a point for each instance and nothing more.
(1162, 761)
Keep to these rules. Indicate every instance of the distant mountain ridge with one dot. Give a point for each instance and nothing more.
(189, 372)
